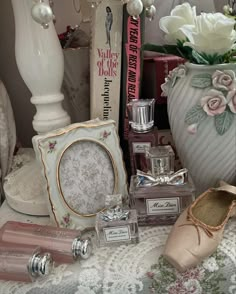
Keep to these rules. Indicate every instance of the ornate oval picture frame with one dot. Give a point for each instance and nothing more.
(81, 164)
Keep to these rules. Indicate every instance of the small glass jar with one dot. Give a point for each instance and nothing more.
(116, 226)
(160, 160)
(160, 204)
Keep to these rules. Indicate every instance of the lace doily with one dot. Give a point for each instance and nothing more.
(134, 269)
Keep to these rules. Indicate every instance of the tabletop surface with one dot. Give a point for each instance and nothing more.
(131, 269)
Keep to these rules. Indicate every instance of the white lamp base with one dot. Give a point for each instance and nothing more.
(23, 187)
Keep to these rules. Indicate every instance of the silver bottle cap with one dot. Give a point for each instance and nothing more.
(40, 264)
(141, 115)
(82, 248)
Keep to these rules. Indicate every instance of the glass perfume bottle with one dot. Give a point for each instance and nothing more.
(115, 225)
(142, 134)
(160, 200)
(65, 245)
(24, 263)
(160, 160)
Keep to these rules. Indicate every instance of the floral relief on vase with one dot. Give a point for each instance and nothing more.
(218, 103)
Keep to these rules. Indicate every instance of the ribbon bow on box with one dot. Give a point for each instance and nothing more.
(114, 214)
(148, 180)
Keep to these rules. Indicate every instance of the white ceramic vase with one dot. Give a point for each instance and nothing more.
(209, 152)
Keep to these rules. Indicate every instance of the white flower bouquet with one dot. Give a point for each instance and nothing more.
(208, 38)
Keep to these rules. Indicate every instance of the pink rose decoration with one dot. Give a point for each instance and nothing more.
(231, 97)
(213, 103)
(224, 80)
(192, 129)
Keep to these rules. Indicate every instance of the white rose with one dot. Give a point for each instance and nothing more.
(213, 33)
(180, 15)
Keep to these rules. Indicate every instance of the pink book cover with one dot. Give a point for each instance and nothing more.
(133, 65)
(105, 60)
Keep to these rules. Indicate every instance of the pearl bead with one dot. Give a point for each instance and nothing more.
(42, 14)
(134, 8)
(150, 12)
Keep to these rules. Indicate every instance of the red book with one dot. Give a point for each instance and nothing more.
(155, 70)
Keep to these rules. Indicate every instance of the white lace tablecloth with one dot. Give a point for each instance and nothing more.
(134, 268)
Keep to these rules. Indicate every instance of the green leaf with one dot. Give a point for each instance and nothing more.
(166, 49)
(213, 58)
(201, 81)
(199, 58)
(223, 121)
(195, 115)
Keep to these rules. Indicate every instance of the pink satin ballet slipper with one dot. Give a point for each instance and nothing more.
(199, 229)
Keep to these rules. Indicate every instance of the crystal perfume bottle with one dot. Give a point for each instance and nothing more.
(160, 160)
(142, 134)
(115, 225)
(24, 263)
(65, 245)
(160, 200)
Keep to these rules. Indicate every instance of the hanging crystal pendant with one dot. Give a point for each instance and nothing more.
(151, 12)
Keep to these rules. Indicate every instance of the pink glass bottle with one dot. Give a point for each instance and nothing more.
(142, 134)
(23, 263)
(65, 245)
(138, 143)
